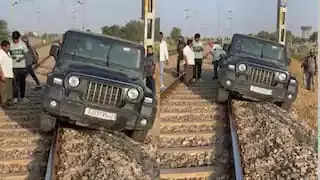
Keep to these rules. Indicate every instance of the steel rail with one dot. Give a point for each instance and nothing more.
(172, 85)
(235, 145)
(50, 171)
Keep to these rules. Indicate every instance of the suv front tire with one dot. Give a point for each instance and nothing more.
(222, 95)
(47, 122)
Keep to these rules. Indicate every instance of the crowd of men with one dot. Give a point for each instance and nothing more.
(16, 60)
(192, 53)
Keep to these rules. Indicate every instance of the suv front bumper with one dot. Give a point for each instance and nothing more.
(73, 111)
(254, 91)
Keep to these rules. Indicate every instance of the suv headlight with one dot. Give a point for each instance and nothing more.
(133, 94)
(282, 76)
(74, 81)
(242, 67)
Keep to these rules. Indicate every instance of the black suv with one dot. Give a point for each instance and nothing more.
(98, 82)
(256, 69)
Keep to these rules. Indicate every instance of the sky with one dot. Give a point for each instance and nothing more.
(57, 15)
(248, 16)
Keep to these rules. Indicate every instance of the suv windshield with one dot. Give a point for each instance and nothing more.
(100, 51)
(258, 48)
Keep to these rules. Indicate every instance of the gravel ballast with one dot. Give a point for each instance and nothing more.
(102, 155)
(274, 144)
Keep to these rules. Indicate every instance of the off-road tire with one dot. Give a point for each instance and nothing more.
(138, 135)
(47, 122)
(222, 96)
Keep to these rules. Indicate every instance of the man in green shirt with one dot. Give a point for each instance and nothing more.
(18, 50)
(198, 52)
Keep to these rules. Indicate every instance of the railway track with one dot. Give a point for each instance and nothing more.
(23, 147)
(197, 136)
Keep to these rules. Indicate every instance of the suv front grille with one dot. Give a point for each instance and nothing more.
(261, 76)
(101, 94)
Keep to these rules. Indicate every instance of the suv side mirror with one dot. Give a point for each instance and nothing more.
(54, 50)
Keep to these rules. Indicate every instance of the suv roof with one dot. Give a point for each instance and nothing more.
(105, 36)
(265, 40)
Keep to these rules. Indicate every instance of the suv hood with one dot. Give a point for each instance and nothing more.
(114, 73)
(259, 61)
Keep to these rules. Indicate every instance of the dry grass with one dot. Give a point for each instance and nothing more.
(306, 102)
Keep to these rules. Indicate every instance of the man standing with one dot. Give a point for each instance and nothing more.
(7, 74)
(181, 44)
(217, 53)
(31, 58)
(189, 57)
(164, 56)
(310, 69)
(149, 66)
(18, 50)
(198, 52)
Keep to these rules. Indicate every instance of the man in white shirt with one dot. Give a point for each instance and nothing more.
(164, 56)
(7, 74)
(189, 58)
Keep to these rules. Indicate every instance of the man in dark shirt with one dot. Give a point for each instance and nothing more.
(31, 58)
(149, 66)
(181, 44)
(309, 66)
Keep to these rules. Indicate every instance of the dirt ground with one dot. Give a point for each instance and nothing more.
(306, 103)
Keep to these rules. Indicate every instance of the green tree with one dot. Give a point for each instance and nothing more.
(114, 30)
(134, 31)
(268, 36)
(175, 33)
(4, 34)
(314, 37)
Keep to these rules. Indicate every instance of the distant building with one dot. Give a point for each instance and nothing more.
(306, 32)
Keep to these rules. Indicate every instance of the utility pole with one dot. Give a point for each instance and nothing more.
(76, 14)
(83, 4)
(229, 19)
(281, 21)
(148, 15)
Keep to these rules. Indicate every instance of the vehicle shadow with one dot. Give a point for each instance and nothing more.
(221, 158)
(24, 148)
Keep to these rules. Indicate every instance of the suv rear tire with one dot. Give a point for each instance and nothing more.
(47, 122)
(222, 95)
